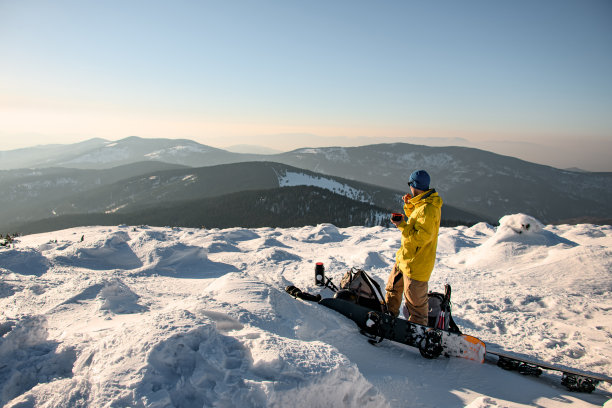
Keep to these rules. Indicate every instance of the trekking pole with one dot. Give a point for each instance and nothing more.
(329, 284)
(444, 307)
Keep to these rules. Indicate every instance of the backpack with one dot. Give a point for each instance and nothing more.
(439, 315)
(358, 287)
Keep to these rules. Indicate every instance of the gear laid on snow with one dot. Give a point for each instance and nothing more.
(440, 308)
(363, 289)
(573, 380)
(440, 337)
(431, 342)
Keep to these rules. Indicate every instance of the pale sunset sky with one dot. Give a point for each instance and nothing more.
(527, 78)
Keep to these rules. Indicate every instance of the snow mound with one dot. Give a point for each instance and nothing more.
(250, 297)
(323, 234)
(180, 257)
(238, 235)
(180, 260)
(204, 367)
(26, 261)
(263, 243)
(457, 239)
(453, 242)
(164, 255)
(28, 358)
(527, 230)
(371, 260)
(273, 242)
(298, 373)
(111, 295)
(482, 229)
(222, 246)
(116, 297)
(205, 320)
(199, 368)
(520, 223)
(110, 252)
(276, 255)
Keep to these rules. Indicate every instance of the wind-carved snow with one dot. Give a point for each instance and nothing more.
(290, 179)
(160, 317)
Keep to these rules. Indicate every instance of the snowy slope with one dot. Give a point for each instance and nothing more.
(155, 317)
(289, 178)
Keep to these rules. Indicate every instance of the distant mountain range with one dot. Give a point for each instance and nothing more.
(72, 195)
(103, 154)
(479, 183)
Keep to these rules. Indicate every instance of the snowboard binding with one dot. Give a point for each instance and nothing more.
(430, 346)
(373, 328)
(578, 383)
(520, 366)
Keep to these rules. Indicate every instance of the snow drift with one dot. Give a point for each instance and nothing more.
(160, 317)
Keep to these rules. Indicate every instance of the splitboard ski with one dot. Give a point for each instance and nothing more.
(430, 342)
(572, 379)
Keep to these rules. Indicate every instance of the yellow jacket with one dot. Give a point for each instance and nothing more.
(417, 255)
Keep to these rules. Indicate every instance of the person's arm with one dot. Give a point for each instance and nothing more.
(422, 232)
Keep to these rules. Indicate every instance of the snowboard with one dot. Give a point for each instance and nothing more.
(433, 342)
(430, 342)
(572, 379)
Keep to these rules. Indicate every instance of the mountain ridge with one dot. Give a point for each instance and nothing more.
(282, 207)
(474, 180)
(161, 188)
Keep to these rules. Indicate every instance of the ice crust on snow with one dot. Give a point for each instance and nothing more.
(160, 317)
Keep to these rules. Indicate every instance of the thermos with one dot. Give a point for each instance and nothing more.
(319, 274)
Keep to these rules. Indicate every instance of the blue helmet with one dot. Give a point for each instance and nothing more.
(419, 180)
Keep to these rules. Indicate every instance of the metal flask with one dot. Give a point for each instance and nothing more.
(319, 274)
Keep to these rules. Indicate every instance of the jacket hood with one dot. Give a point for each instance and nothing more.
(427, 197)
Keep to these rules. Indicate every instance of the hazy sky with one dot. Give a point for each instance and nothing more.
(499, 74)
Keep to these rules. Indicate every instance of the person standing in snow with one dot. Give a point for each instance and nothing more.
(416, 257)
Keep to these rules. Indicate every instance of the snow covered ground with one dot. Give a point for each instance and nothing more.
(156, 317)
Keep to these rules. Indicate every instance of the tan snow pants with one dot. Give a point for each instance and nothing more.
(414, 291)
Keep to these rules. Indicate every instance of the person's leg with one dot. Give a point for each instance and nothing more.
(416, 300)
(394, 289)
